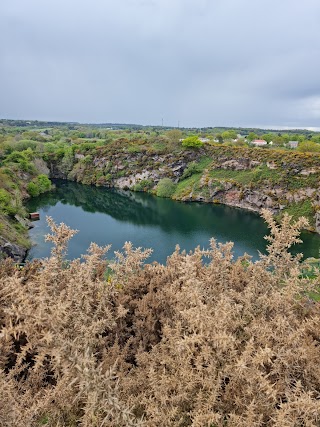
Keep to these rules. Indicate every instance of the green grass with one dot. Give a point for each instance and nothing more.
(196, 167)
(185, 187)
(159, 147)
(249, 176)
(304, 208)
(299, 181)
(244, 177)
(204, 162)
(315, 296)
(135, 148)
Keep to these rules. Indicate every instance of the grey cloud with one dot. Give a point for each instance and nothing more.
(205, 63)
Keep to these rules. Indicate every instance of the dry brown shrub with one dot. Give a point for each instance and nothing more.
(225, 343)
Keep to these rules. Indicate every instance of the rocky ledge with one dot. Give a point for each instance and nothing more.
(13, 251)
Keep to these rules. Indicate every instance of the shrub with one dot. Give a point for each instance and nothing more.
(88, 159)
(39, 185)
(309, 146)
(165, 188)
(4, 197)
(192, 142)
(44, 183)
(227, 343)
(21, 145)
(191, 169)
(15, 157)
(143, 185)
(33, 189)
(22, 159)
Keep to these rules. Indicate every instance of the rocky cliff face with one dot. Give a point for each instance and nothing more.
(253, 180)
(318, 222)
(125, 170)
(10, 250)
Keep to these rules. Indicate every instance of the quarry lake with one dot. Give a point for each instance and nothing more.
(114, 216)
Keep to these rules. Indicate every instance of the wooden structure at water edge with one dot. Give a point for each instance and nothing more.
(34, 216)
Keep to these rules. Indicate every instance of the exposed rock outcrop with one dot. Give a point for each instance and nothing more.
(317, 222)
(10, 250)
(272, 181)
(240, 164)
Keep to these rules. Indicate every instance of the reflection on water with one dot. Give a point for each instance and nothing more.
(109, 216)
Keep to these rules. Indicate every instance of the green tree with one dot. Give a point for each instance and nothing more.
(286, 138)
(310, 146)
(252, 136)
(316, 138)
(219, 138)
(268, 136)
(229, 134)
(278, 141)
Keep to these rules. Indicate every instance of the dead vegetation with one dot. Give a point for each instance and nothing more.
(225, 343)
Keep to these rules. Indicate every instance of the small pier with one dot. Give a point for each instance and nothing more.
(34, 216)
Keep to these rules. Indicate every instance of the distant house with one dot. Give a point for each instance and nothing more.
(204, 139)
(259, 142)
(293, 144)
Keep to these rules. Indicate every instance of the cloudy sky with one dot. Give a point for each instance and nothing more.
(197, 62)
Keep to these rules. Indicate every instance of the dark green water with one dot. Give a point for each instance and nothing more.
(107, 216)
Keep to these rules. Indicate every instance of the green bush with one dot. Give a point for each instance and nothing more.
(6, 203)
(15, 157)
(39, 185)
(22, 158)
(192, 142)
(309, 146)
(33, 189)
(21, 145)
(26, 166)
(87, 159)
(4, 196)
(44, 183)
(143, 185)
(165, 188)
(191, 169)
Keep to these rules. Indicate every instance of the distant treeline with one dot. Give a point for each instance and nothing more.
(208, 129)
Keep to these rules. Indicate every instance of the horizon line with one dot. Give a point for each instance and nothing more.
(265, 127)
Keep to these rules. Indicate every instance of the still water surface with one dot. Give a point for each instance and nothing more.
(108, 216)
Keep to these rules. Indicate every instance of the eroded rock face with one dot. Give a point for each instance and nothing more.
(257, 200)
(309, 171)
(131, 180)
(10, 250)
(239, 164)
(317, 217)
(300, 195)
(126, 170)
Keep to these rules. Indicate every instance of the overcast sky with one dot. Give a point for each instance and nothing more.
(197, 62)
